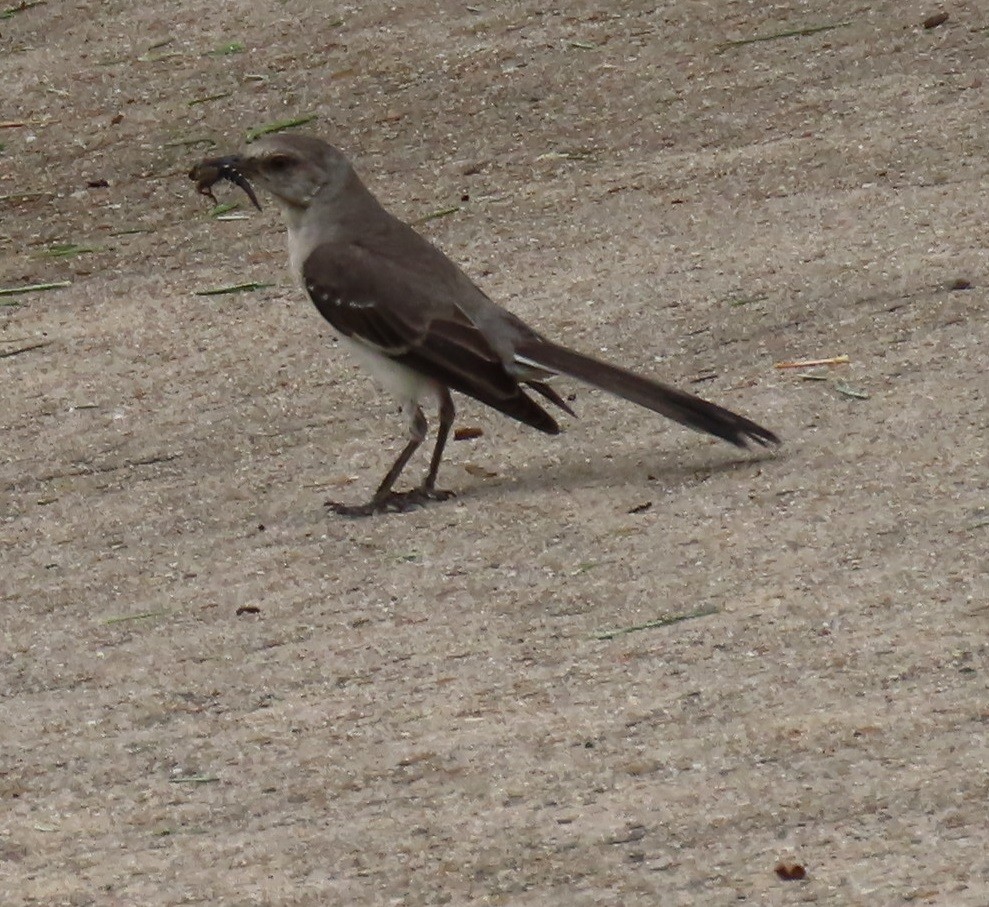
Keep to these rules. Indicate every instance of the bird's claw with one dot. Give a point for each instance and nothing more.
(392, 502)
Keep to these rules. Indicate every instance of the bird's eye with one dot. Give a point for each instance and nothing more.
(279, 163)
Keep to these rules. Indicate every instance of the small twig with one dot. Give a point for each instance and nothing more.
(90, 470)
(144, 615)
(737, 301)
(160, 58)
(659, 622)
(6, 354)
(195, 779)
(810, 363)
(148, 57)
(186, 143)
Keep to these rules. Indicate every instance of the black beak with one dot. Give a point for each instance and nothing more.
(209, 172)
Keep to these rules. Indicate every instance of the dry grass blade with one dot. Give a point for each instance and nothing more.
(224, 208)
(576, 154)
(12, 11)
(187, 143)
(21, 196)
(234, 288)
(144, 615)
(68, 250)
(654, 624)
(225, 50)
(210, 97)
(852, 392)
(738, 301)
(434, 215)
(790, 33)
(279, 126)
(810, 363)
(35, 288)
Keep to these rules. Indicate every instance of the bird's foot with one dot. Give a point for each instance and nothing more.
(392, 502)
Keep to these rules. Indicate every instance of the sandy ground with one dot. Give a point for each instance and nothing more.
(478, 703)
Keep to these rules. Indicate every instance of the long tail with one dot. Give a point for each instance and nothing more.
(660, 398)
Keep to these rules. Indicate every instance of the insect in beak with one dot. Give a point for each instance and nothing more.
(209, 172)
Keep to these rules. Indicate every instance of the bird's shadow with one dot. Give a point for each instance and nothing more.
(570, 473)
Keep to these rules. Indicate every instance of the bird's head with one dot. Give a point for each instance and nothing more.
(295, 169)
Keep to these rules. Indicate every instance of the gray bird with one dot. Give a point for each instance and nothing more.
(417, 322)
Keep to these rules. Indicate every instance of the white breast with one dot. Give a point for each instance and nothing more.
(409, 388)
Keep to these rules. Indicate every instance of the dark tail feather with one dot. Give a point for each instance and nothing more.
(660, 398)
(543, 388)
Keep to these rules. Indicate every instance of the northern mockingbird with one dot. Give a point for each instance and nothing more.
(417, 322)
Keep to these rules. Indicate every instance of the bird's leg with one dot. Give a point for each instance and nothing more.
(447, 414)
(417, 434)
(385, 500)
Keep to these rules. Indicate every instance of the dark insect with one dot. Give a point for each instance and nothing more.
(208, 173)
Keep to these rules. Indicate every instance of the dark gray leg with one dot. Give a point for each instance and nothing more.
(417, 433)
(386, 500)
(447, 414)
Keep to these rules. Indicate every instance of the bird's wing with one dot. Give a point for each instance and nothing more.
(411, 315)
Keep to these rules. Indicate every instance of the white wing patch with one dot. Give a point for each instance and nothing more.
(531, 370)
(323, 297)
